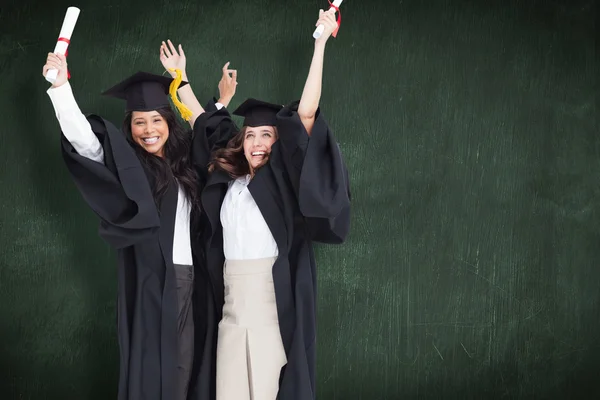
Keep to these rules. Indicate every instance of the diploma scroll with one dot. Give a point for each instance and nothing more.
(64, 38)
(319, 31)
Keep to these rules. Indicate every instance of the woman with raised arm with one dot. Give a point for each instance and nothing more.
(279, 185)
(142, 183)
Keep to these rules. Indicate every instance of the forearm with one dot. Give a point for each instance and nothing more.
(311, 95)
(187, 96)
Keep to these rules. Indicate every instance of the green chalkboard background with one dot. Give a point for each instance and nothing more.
(470, 130)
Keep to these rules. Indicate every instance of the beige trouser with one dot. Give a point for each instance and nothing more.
(250, 352)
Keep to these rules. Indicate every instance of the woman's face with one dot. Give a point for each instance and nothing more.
(150, 130)
(257, 144)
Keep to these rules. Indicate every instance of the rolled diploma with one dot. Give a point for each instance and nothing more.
(65, 32)
(317, 33)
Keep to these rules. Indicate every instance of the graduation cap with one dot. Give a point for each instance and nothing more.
(258, 113)
(144, 91)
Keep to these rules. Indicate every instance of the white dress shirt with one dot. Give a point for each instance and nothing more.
(78, 132)
(246, 235)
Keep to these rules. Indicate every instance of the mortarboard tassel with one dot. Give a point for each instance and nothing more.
(185, 112)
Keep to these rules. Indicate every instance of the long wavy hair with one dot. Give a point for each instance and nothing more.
(232, 159)
(176, 162)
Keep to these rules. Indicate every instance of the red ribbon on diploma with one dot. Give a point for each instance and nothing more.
(67, 41)
(339, 18)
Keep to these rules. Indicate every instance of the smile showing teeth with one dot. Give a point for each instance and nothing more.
(258, 153)
(151, 140)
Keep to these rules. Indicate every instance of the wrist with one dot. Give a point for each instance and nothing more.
(55, 85)
(224, 100)
(320, 45)
(174, 74)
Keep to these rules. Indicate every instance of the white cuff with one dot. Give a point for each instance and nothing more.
(219, 105)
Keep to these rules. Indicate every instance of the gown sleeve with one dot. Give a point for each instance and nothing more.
(212, 130)
(318, 174)
(117, 189)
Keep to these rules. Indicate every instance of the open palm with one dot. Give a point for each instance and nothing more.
(171, 58)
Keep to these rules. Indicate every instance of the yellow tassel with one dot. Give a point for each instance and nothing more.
(185, 112)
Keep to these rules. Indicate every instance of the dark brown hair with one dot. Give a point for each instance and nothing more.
(176, 162)
(232, 159)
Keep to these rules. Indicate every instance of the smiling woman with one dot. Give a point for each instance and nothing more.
(257, 145)
(144, 185)
(149, 130)
(152, 128)
(250, 148)
(277, 186)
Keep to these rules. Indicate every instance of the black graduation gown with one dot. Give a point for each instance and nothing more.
(303, 194)
(120, 193)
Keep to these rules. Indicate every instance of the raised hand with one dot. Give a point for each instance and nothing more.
(327, 19)
(227, 85)
(173, 59)
(59, 62)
